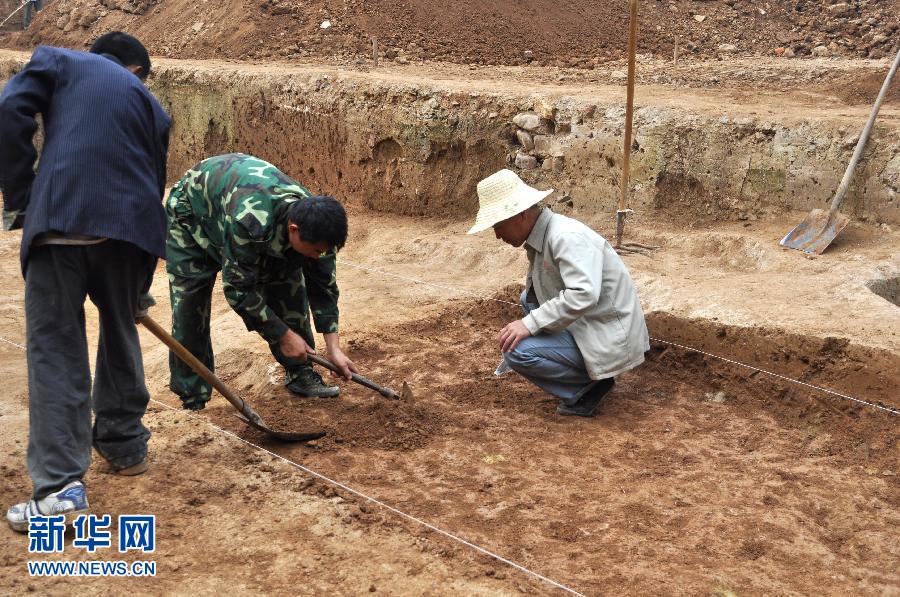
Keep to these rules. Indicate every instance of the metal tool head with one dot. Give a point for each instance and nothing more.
(815, 233)
(284, 436)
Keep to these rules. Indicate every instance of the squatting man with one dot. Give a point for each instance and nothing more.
(583, 322)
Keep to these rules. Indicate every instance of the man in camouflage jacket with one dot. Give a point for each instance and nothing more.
(276, 246)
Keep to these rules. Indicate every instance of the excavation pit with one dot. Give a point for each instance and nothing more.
(698, 474)
(887, 288)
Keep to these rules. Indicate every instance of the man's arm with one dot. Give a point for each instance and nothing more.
(581, 269)
(322, 291)
(26, 94)
(242, 256)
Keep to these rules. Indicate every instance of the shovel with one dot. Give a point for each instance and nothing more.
(247, 414)
(815, 233)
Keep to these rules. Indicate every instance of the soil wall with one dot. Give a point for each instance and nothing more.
(14, 24)
(419, 146)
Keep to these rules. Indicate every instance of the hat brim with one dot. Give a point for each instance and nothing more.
(486, 219)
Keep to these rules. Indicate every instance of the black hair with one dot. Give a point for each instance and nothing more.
(127, 49)
(320, 219)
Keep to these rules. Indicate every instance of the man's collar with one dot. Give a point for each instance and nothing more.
(535, 240)
(281, 239)
(113, 58)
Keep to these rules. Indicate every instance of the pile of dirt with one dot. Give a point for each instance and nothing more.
(581, 33)
(360, 419)
(864, 89)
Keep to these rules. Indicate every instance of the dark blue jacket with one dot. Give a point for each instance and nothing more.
(102, 170)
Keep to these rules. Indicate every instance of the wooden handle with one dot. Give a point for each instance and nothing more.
(629, 112)
(194, 363)
(363, 381)
(861, 144)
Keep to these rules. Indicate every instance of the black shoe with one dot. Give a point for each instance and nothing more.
(309, 383)
(193, 402)
(587, 404)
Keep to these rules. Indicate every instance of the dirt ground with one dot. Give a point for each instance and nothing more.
(576, 33)
(696, 477)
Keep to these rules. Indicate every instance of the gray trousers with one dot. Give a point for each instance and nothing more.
(60, 394)
(551, 361)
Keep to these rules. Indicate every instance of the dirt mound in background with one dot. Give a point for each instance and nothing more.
(580, 33)
(864, 89)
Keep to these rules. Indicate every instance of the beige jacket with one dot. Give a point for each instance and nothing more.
(583, 286)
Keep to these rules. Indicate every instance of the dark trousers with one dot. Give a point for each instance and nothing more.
(191, 311)
(60, 394)
(192, 270)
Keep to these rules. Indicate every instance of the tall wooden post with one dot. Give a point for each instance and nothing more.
(629, 111)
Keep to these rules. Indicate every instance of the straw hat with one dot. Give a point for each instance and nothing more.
(503, 195)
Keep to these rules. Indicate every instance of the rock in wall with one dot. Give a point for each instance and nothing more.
(420, 147)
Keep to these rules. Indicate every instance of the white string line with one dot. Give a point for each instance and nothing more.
(369, 498)
(380, 503)
(21, 6)
(709, 354)
(13, 343)
(778, 375)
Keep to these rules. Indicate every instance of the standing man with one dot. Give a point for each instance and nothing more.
(276, 246)
(583, 321)
(31, 7)
(93, 226)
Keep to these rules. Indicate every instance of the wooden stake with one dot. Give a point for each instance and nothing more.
(629, 110)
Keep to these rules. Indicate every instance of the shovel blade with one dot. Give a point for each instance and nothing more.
(815, 233)
(284, 436)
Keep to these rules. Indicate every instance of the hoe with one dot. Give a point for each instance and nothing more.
(247, 414)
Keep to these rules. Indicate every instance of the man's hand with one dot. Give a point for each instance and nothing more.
(294, 346)
(13, 220)
(342, 362)
(145, 301)
(512, 334)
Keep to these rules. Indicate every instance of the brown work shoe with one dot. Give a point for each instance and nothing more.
(135, 469)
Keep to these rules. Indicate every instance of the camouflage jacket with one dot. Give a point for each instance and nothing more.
(236, 207)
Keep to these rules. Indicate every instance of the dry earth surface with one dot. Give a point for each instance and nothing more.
(576, 33)
(696, 477)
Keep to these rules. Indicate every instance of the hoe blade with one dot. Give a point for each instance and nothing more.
(815, 233)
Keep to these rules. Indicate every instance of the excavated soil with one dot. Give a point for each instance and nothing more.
(693, 469)
(579, 33)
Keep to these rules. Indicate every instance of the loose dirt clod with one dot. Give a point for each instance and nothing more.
(406, 393)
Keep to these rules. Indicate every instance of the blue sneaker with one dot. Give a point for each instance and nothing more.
(70, 501)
